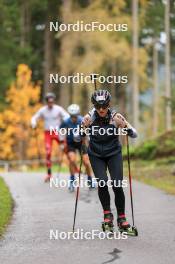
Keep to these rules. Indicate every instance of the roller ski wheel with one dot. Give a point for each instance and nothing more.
(125, 227)
(107, 224)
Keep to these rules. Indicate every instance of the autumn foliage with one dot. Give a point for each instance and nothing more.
(17, 138)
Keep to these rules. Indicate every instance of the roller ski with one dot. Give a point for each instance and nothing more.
(71, 183)
(125, 227)
(107, 224)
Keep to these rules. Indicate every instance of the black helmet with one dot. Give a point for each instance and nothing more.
(101, 97)
(50, 95)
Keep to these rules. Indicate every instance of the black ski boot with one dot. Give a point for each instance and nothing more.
(122, 223)
(108, 225)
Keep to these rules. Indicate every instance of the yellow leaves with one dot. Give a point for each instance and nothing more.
(144, 3)
(100, 48)
(115, 7)
(36, 146)
(6, 143)
(23, 74)
(34, 93)
(23, 99)
(1, 121)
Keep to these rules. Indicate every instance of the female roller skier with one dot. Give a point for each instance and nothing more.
(104, 152)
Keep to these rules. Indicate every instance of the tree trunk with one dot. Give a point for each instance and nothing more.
(113, 85)
(65, 88)
(48, 51)
(155, 91)
(168, 110)
(135, 64)
(85, 99)
(25, 23)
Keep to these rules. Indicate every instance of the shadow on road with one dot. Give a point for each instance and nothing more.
(114, 255)
(87, 197)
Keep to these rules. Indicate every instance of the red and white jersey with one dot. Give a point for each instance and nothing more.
(52, 117)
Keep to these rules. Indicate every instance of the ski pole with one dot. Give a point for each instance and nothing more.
(130, 178)
(94, 79)
(60, 160)
(78, 190)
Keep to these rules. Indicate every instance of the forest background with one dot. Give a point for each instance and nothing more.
(145, 53)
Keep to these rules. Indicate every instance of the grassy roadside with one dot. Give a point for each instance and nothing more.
(55, 169)
(157, 173)
(153, 162)
(6, 206)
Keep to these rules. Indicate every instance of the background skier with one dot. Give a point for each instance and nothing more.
(74, 143)
(53, 115)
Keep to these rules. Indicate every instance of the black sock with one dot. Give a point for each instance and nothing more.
(49, 171)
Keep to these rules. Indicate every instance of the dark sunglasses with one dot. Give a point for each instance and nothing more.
(98, 106)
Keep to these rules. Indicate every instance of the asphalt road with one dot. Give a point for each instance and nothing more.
(39, 209)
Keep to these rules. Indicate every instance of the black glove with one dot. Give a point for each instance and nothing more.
(129, 132)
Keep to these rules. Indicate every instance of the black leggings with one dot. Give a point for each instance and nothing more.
(115, 166)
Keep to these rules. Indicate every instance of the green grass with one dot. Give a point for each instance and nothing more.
(153, 162)
(161, 147)
(6, 206)
(55, 168)
(157, 173)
